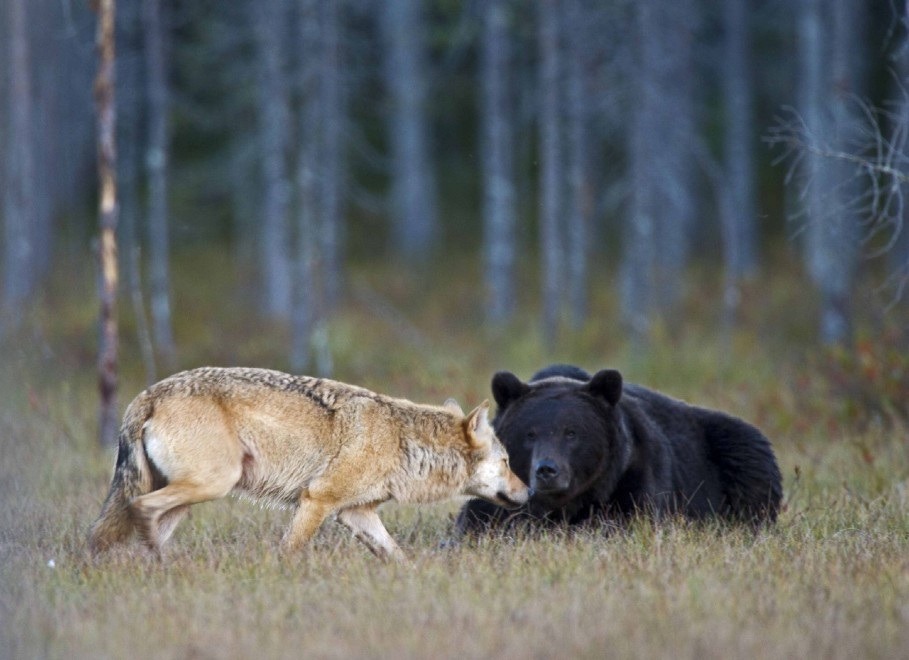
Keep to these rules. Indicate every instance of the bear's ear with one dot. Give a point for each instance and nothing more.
(506, 387)
(606, 384)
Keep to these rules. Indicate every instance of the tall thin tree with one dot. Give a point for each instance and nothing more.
(550, 167)
(497, 147)
(307, 283)
(827, 83)
(156, 161)
(576, 15)
(413, 194)
(333, 119)
(662, 144)
(19, 191)
(274, 118)
(107, 175)
(130, 100)
(738, 212)
(638, 286)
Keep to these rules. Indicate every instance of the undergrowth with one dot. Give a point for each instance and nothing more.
(830, 580)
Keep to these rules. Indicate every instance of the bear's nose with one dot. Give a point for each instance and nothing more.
(547, 470)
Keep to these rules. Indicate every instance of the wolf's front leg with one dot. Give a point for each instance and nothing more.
(366, 526)
(307, 519)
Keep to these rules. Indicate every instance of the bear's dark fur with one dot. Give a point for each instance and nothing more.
(593, 449)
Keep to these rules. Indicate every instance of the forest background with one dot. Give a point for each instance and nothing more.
(707, 195)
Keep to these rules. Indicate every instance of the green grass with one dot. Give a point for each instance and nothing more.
(831, 580)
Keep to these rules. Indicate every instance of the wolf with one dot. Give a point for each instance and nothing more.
(323, 447)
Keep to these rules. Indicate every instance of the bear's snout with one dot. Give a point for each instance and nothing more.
(548, 477)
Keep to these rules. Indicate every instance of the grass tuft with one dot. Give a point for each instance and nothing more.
(830, 580)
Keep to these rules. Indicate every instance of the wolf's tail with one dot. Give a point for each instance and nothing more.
(132, 477)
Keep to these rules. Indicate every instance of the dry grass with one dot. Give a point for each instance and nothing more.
(831, 580)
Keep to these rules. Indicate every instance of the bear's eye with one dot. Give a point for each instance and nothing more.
(531, 434)
(570, 434)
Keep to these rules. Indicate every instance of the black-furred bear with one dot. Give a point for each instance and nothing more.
(595, 450)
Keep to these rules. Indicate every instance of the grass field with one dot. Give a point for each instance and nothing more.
(831, 580)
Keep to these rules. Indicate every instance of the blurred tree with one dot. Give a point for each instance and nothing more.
(580, 46)
(663, 142)
(738, 213)
(497, 146)
(108, 211)
(156, 162)
(19, 272)
(413, 186)
(333, 126)
(827, 32)
(551, 167)
(896, 221)
(269, 20)
(318, 265)
(309, 295)
(130, 103)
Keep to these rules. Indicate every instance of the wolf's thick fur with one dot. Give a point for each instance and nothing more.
(324, 447)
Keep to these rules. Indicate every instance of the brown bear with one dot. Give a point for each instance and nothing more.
(596, 450)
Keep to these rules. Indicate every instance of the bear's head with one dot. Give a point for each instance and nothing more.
(561, 433)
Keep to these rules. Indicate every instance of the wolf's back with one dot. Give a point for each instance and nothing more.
(132, 477)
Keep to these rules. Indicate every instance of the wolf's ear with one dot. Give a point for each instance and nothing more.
(506, 387)
(453, 406)
(606, 384)
(478, 428)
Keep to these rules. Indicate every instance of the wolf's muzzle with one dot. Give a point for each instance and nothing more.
(507, 502)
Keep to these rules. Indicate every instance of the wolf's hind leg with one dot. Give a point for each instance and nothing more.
(169, 520)
(157, 514)
(366, 526)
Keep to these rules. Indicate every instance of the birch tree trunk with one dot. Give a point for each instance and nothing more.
(274, 117)
(497, 149)
(107, 175)
(156, 161)
(550, 168)
(413, 186)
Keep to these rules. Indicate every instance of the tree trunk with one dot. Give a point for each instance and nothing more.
(19, 194)
(898, 257)
(107, 175)
(738, 212)
(307, 287)
(129, 113)
(831, 237)
(413, 187)
(550, 169)
(332, 131)
(661, 153)
(580, 195)
(157, 157)
(274, 118)
(639, 262)
(497, 148)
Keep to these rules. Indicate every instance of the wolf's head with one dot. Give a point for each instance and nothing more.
(491, 477)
